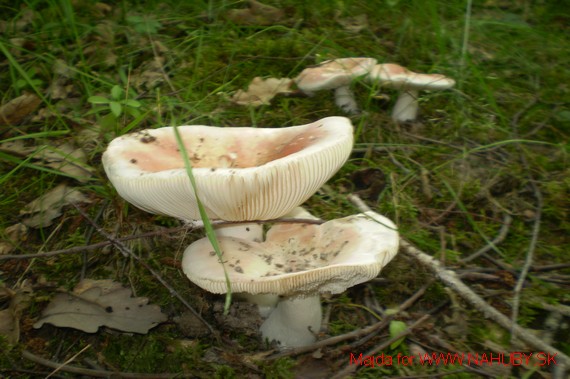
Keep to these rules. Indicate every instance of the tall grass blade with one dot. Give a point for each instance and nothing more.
(210, 233)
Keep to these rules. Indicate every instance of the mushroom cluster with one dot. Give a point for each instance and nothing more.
(338, 74)
(253, 174)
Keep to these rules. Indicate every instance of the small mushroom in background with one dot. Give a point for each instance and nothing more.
(241, 173)
(336, 74)
(409, 84)
(298, 262)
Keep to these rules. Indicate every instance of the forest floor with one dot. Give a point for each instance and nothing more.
(480, 181)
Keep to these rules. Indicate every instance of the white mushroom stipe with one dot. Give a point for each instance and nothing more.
(406, 107)
(266, 303)
(241, 173)
(294, 322)
(344, 99)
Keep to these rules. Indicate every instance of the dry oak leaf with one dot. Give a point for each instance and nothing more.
(257, 14)
(96, 303)
(17, 300)
(261, 91)
(14, 111)
(42, 211)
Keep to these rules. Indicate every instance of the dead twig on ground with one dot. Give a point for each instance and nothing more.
(450, 279)
(507, 221)
(529, 257)
(96, 373)
(188, 228)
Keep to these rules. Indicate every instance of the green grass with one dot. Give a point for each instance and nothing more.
(449, 178)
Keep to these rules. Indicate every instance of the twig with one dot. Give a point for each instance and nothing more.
(353, 367)
(61, 366)
(332, 340)
(405, 305)
(189, 227)
(450, 279)
(128, 253)
(97, 373)
(507, 221)
(536, 227)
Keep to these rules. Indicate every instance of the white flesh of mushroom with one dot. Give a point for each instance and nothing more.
(406, 107)
(294, 322)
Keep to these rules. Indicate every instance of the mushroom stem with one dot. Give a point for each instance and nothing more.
(406, 108)
(294, 321)
(250, 231)
(265, 302)
(344, 99)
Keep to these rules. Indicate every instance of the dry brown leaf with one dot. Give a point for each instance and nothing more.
(354, 24)
(261, 91)
(149, 74)
(10, 317)
(12, 236)
(63, 157)
(257, 14)
(42, 211)
(14, 111)
(96, 303)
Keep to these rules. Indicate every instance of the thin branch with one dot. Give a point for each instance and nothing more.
(529, 257)
(189, 227)
(96, 373)
(450, 279)
(507, 221)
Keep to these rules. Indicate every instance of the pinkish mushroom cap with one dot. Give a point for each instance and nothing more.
(409, 84)
(333, 73)
(297, 262)
(241, 173)
(336, 75)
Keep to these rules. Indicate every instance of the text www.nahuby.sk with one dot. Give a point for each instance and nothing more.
(436, 359)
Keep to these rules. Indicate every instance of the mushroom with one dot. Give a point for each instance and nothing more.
(335, 74)
(241, 173)
(298, 262)
(409, 84)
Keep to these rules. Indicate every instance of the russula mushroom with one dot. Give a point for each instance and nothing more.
(242, 173)
(297, 262)
(335, 74)
(409, 84)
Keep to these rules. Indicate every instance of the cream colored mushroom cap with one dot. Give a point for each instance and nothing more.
(398, 77)
(297, 259)
(333, 74)
(241, 173)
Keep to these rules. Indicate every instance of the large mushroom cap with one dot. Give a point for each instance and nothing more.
(241, 173)
(333, 74)
(297, 259)
(398, 77)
